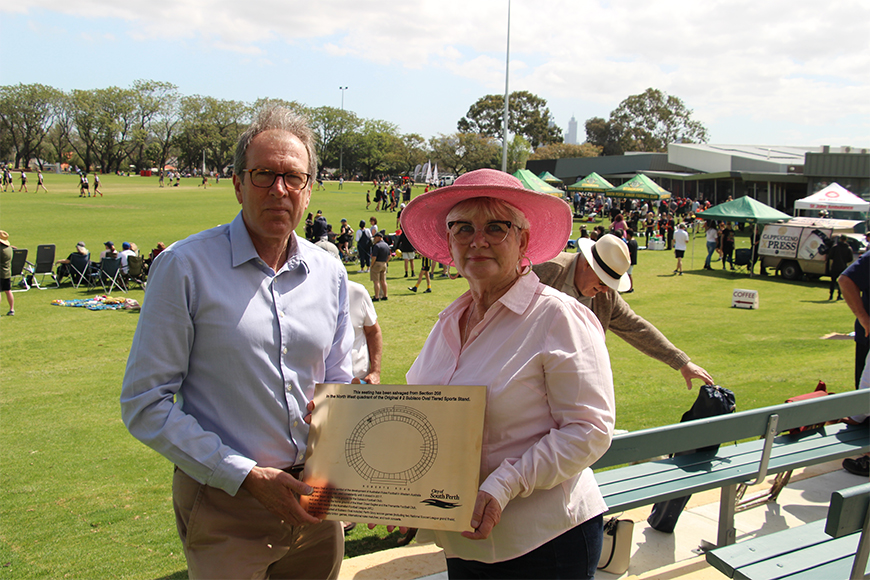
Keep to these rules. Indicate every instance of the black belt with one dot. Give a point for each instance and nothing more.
(295, 470)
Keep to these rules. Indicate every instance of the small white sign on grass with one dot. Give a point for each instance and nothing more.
(744, 299)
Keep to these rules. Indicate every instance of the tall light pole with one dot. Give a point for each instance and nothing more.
(341, 143)
(507, 68)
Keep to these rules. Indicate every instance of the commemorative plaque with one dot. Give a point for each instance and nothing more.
(404, 455)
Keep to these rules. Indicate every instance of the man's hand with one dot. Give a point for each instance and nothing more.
(692, 371)
(373, 378)
(278, 492)
(487, 513)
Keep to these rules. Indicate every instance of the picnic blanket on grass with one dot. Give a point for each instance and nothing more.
(100, 303)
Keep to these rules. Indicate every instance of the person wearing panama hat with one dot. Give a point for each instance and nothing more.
(595, 276)
(6, 253)
(542, 357)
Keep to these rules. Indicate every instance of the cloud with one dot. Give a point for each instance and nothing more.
(772, 59)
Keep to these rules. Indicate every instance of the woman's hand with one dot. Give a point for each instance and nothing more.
(487, 513)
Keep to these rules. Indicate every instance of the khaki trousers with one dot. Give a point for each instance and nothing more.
(236, 537)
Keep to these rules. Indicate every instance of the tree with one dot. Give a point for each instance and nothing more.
(566, 151)
(210, 128)
(518, 153)
(410, 152)
(26, 115)
(330, 125)
(164, 124)
(646, 122)
(461, 152)
(85, 118)
(600, 133)
(528, 116)
(57, 145)
(154, 103)
(369, 149)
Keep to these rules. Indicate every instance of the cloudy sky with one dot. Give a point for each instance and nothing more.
(762, 72)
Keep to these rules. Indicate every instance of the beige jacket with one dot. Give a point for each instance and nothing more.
(612, 311)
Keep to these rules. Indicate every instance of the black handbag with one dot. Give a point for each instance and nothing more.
(712, 400)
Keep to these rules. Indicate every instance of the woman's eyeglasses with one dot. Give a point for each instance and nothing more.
(494, 232)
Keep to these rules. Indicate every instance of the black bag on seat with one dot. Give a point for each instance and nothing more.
(712, 400)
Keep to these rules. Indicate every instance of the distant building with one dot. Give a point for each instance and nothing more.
(776, 175)
(571, 135)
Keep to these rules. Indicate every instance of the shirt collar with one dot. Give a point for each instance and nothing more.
(243, 249)
(517, 299)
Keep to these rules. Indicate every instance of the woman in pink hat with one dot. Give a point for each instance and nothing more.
(550, 406)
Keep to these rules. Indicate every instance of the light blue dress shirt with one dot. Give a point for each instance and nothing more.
(227, 353)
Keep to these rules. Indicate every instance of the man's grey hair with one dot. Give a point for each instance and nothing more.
(280, 119)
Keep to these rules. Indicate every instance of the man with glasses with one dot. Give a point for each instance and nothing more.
(240, 323)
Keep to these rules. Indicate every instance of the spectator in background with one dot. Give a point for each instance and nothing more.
(368, 341)
(726, 240)
(378, 274)
(403, 244)
(109, 252)
(63, 264)
(364, 246)
(126, 251)
(712, 236)
(618, 226)
(649, 224)
(681, 242)
(6, 253)
(318, 230)
(632, 254)
(837, 260)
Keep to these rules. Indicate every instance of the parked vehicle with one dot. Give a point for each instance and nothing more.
(800, 245)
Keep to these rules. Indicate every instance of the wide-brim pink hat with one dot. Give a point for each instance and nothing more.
(424, 220)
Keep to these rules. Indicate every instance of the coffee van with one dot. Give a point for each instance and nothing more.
(800, 246)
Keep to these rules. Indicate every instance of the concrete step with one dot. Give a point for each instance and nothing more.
(655, 555)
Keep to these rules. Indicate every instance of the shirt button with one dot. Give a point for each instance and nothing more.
(280, 314)
(284, 350)
(295, 423)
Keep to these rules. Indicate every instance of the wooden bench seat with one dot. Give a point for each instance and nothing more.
(648, 482)
(831, 549)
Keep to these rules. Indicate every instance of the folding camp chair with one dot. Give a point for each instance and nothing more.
(110, 275)
(135, 271)
(44, 264)
(742, 260)
(79, 269)
(19, 261)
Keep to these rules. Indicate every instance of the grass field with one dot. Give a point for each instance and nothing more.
(82, 499)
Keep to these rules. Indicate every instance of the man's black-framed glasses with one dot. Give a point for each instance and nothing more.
(266, 178)
(494, 232)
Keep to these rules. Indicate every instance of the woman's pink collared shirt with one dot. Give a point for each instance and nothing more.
(549, 412)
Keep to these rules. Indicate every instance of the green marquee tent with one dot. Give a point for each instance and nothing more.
(535, 183)
(743, 210)
(550, 178)
(593, 183)
(640, 187)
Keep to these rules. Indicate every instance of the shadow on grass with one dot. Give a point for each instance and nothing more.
(180, 575)
(361, 542)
